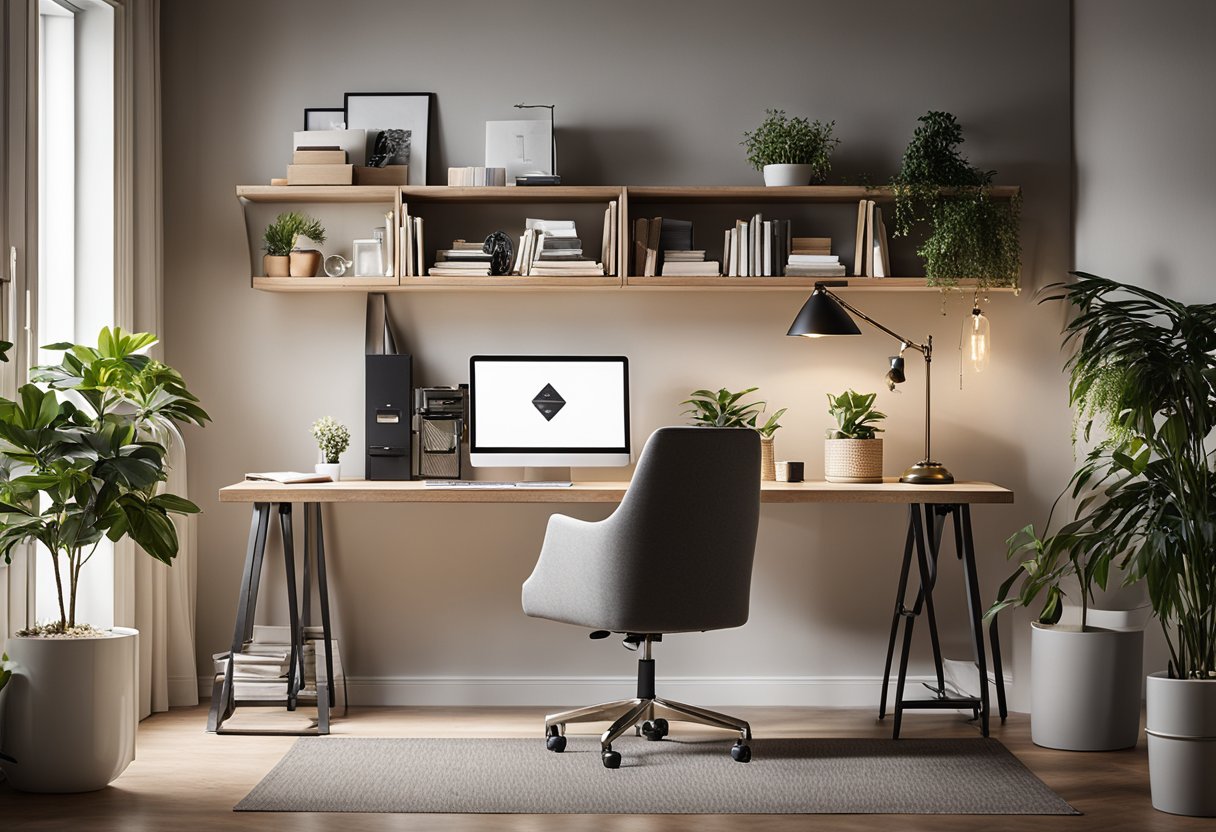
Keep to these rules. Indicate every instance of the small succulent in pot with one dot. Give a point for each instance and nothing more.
(282, 238)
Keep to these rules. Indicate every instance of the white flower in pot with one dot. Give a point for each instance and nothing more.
(77, 470)
(852, 451)
(790, 151)
(724, 410)
(333, 438)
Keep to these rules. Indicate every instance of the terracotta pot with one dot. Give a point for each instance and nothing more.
(768, 459)
(305, 263)
(276, 265)
(852, 460)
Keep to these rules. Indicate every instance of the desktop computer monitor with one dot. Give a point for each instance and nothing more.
(544, 411)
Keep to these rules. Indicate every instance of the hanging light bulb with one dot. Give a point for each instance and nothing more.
(981, 339)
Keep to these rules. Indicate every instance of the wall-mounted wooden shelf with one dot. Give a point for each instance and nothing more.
(421, 196)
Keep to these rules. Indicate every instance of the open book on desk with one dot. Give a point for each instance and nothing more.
(287, 477)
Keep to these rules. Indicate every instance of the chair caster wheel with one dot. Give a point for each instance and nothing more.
(741, 753)
(655, 729)
(612, 759)
(556, 744)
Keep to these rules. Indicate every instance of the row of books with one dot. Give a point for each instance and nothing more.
(260, 672)
(477, 177)
(411, 246)
(873, 257)
(664, 246)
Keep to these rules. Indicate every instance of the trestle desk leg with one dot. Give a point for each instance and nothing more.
(293, 615)
(897, 614)
(222, 699)
(976, 613)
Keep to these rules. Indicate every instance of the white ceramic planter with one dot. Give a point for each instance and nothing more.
(70, 711)
(1181, 728)
(331, 469)
(1085, 687)
(781, 175)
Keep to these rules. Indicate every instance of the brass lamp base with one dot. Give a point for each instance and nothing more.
(927, 472)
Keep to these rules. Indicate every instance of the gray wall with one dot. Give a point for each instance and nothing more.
(647, 93)
(1144, 120)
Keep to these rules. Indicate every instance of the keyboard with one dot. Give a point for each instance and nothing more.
(493, 484)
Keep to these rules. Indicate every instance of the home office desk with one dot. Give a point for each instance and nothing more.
(929, 506)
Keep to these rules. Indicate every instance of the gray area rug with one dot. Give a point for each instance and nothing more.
(910, 776)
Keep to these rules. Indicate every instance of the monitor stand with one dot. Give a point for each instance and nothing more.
(546, 475)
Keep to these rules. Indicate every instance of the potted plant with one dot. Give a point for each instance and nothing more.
(283, 258)
(1147, 365)
(75, 469)
(724, 409)
(6, 673)
(852, 451)
(971, 235)
(790, 151)
(333, 439)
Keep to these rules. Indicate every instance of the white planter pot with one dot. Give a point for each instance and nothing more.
(1085, 687)
(331, 469)
(780, 175)
(70, 711)
(1181, 728)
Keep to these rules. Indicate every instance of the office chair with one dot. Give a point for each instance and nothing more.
(675, 557)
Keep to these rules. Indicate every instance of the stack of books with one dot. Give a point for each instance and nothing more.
(260, 671)
(873, 257)
(812, 257)
(463, 258)
(477, 177)
(319, 166)
(553, 248)
(689, 263)
(658, 239)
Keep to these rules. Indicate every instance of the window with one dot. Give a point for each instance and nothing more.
(76, 220)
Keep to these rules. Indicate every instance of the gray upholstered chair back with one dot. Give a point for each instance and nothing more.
(676, 555)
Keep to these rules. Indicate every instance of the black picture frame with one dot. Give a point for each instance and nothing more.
(405, 110)
(315, 118)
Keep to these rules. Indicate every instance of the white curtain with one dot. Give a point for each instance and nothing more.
(157, 600)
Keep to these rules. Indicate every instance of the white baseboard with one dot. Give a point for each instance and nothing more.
(454, 691)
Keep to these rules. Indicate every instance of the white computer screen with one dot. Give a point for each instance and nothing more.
(548, 403)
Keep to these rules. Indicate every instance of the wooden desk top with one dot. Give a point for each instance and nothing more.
(365, 491)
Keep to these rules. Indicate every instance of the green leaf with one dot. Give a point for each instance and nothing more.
(175, 504)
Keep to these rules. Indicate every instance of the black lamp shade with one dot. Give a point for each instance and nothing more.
(822, 315)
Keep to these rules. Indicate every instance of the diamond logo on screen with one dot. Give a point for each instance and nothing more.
(548, 401)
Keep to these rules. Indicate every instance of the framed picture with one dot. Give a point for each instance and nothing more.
(324, 118)
(406, 114)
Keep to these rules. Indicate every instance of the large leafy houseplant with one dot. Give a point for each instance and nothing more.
(82, 457)
(971, 235)
(1144, 369)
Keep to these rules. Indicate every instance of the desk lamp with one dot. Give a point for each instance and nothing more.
(824, 314)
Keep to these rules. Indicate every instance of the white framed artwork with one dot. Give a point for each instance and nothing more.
(377, 112)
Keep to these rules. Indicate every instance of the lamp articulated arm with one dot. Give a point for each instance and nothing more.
(929, 469)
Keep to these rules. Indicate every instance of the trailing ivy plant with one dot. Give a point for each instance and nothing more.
(1146, 493)
(971, 234)
(780, 140)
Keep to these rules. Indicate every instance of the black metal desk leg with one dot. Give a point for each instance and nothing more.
(293, 616)
(936, 520)
(326, 627)
(896, 614)
(222, 700)
(922, 562)
(976, 612)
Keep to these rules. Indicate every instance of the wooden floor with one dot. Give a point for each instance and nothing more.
(185, 780)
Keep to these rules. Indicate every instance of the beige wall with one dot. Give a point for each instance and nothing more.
(648, 93)
(1144, 121)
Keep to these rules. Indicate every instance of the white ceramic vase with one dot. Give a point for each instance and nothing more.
(1085, 687)
(70, 711)
(1181, 728)
(332, 469)
(782, 175)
